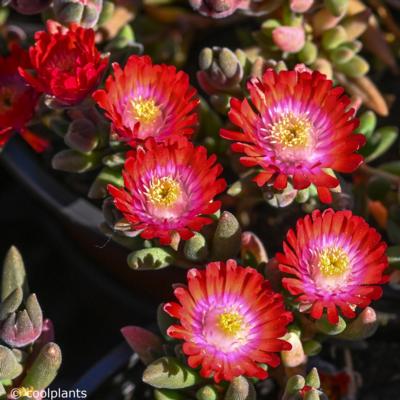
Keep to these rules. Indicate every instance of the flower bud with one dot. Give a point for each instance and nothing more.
(30, 7)
(83, 12)
(300, 6)
(290, 39)
(221, 70)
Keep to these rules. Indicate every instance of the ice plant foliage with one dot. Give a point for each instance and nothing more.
(333, 260)
(147, 100)
(66, 63)
(296, 126)
(17, 99)
(230, 321)
(219, 8)
(169, 187)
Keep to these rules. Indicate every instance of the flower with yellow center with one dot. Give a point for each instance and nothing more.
(145, 111)
(333, 262)
(163, 191)
(230, 322)
(291, 130)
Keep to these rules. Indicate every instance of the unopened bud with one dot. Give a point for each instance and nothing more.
(290, 39)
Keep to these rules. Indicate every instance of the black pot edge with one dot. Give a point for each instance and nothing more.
(105, 368)
(19, 159)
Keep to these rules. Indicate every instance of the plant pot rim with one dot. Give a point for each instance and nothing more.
(20, 160)
(105, 368)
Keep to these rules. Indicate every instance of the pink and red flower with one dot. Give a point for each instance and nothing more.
(296, 126)
(333, 260)
(169, 187)
(230, 321)
(67, 65)
(145, 100)
(17, 100)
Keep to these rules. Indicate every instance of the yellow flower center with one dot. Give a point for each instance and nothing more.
(291, 130)
(333, 262)
(230, 322)
(163, 191)
(145, 111)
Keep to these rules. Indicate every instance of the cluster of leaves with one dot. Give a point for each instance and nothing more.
(28, 356)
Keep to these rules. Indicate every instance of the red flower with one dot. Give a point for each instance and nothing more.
(169, 187)
(297, 126)
(333, 260)
(230, 321)
(145, 100)
(17, 99)
(67, 66)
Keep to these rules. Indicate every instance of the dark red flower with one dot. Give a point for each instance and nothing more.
(17, 99)
(67, 65)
